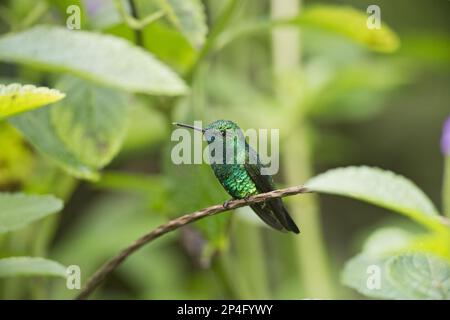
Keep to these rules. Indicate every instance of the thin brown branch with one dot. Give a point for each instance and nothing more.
(174, 224)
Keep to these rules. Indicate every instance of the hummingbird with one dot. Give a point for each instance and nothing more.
(242, 179)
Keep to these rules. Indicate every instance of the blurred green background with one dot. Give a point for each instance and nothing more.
(336, 103)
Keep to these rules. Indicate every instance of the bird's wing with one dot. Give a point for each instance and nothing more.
(264, 183)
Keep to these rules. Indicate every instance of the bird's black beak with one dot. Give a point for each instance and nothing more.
(188, 126)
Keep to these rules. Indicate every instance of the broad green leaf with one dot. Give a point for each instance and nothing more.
(379, 187)
(103, 58)
(91, 122)
(30, 266)
(16, 98)
(405, 276)
(420, 276)
(18, 210)
(36, 126)
(342, 20)
(189, 17)
(388, 240)
(361, 273)
(84, 132)
(351, 23)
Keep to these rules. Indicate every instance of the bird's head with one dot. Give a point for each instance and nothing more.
(219, 129)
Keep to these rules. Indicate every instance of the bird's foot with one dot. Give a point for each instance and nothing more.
(226, 204)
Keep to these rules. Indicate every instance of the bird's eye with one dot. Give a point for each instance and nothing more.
(212, 138)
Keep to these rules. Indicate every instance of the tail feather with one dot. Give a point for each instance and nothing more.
(275, 215)
(283, 216)
(266, 216)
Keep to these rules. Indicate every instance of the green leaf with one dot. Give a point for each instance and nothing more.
(18, 210)
(420, 276)
(380, 187)
(91, 122)
(351, 23)
(405, 276)
(30, 266)
(189, 17)
(16, 98)
(36, 126)
(82, 133)
(342, 20)
(103, 58)
(16, 158)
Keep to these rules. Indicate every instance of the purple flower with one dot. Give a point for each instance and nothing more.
(445, 141)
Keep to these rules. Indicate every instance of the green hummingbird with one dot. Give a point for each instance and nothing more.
(241, 175)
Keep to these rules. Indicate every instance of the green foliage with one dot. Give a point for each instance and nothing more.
(121, 96)
(16, 159)
(91, 122)
(189, 17)
(379, 187)
(37, 128)
(16, 98)
(82, 133)
(46, 47)
(403, 274)
(411, 266)
(30, 266)
(350, 23)
(18, 210)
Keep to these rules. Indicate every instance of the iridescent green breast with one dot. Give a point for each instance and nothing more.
(235, 180)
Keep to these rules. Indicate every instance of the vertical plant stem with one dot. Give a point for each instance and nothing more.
(446, 187)
(310, 249)
(137, 32)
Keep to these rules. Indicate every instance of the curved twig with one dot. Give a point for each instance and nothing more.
(174, 224)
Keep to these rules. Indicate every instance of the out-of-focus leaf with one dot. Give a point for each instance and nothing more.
(37, 128)
(379, 187)
(350, 23)
(16, 158)
(91, 122)
(342, 20)
(420, 276)
(405, 276)
(30, 266)
(357, 272)
(165, 43)
(189, 17)
(393, 266)
(388, 240)
(18, 210)
(169, 46)
(102, 58)
(16, 98)
(82, 133)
